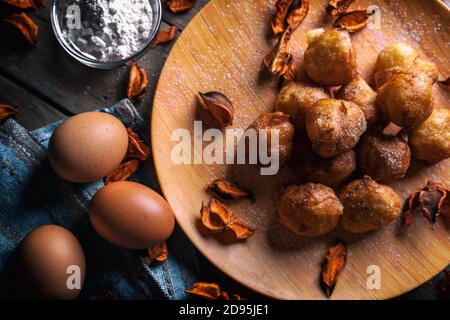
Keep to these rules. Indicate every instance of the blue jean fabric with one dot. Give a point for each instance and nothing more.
(31, 194)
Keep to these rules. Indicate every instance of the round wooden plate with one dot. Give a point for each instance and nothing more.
(222, 49)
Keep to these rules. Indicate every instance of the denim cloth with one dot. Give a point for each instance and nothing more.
(31, 194)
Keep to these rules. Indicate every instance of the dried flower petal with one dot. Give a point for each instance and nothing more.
(206, 290)
(431, 201)
(211, 291)
(289, 15)
(213, 224)
(353, 21)
(333, 264)
(228, 190)
(22, 22)
(218, 218)
(291, 72)
(220, 211)
(138, 83)
(240, 229)
(297, 15)
(137, 149)
(7, 111)
(219, 106)
(165, 36)
(224, 295)
(337, 7)
(123, 172)
(21, 4)
(158, 253)
(444, 205)
(282, 10)
(410, 209)
(279, 62)
(180, 6)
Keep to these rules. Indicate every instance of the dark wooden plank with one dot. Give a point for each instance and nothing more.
(67, 84)
(182, 19)
(34, 113)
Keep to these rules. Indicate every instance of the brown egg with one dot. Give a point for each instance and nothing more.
(53, 262)
(131, 215)
(88, 146)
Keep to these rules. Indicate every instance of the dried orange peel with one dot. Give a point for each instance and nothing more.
(218, 218)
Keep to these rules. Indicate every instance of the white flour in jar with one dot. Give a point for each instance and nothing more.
(111, 29)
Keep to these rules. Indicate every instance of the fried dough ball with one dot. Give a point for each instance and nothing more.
(430, 140)
(330, 58)
(383, 157)
(359, 92)
(330, 172)
(402, 57)
(427, 67)
(334, 126)
(275, 121)
(368, 205)
(383, 76)
(309, 210)
(399, 55)
(295, 98)
(406, 99)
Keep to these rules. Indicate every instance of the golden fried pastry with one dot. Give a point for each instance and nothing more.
(383, 76)
(406, 99)
(330, 58)
(312, 168)
(309, 210)
(401, 57)
(295, 98)
(427, 67)
(359, 92)
(368, 205)
(383, 157)
(430, 140)
(334, 126)
(276, 121)
(396, 55)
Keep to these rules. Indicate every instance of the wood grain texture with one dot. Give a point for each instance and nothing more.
(34, 113)
(222, 49)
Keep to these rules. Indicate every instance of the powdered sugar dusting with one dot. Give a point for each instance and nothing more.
(111, 29)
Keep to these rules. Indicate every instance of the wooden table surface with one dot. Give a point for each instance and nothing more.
(48, 85)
